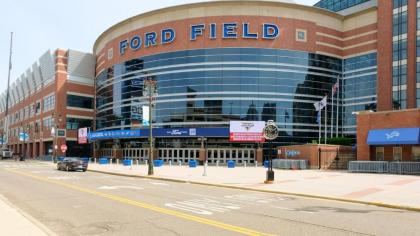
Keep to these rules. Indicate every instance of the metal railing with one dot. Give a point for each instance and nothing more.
(290, 164)
(368, 166)
(404, 167)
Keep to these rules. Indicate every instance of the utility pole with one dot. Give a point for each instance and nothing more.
(7, 95)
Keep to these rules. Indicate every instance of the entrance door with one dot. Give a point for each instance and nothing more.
(397, 153)
(379, 153)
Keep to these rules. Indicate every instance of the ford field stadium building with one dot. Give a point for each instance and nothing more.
(216, 62)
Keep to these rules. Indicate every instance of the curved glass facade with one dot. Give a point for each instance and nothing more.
(210, 87)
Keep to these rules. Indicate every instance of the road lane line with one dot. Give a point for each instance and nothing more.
(151, 207)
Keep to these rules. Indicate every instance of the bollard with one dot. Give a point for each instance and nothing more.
(170, 163)
(244, 163)
(217, 163)
(179, 163)
(94, 160)
(205, 169)
(145, 162)
(256, 163)
(118, 160)
(137, 161)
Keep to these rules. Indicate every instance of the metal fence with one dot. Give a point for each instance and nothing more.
(368, 166)
(290, 164)
(404, 167)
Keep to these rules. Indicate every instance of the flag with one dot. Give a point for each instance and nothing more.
(318, 117)
(321, 104)
(335, 88)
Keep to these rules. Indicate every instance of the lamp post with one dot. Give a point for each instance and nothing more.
(150, 91)
(54, 133)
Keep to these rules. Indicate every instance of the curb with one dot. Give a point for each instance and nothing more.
(379, 204)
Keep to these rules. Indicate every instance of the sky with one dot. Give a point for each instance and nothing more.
(41, 25)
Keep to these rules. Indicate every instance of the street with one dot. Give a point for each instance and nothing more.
(87, 203)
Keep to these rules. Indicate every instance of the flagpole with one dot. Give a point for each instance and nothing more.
(338, 94)
(319, 126)
(332, 113)
(325, 122)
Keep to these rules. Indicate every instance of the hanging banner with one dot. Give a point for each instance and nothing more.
(145, 120)
(246, 131)
(82, 135)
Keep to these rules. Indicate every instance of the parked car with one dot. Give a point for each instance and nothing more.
(6, 153)
(71, 163)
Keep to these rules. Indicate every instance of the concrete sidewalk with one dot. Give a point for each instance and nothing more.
(15, 222)
(398, 191)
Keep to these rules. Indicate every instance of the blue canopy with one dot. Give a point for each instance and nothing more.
(394, 136)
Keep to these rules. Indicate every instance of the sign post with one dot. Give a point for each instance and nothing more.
(270, 133)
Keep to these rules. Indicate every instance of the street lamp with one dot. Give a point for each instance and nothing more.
(54, 134)
(150, 91)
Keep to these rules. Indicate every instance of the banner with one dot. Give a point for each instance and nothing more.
(246, 131)
(145, 120)
(82, 135)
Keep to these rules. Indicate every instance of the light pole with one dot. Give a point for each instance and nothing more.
(150, 90)
(54, 132)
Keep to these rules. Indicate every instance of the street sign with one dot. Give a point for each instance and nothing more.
(23, 136)
(63, 148)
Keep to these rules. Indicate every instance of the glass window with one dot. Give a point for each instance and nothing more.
(76, 123)
(415, 153)
(49, 103)
(79, 101)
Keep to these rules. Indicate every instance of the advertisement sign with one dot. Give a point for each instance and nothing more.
(246, 131)
(82, 135)
(145, 115)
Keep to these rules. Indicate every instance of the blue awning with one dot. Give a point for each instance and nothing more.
(394, 136)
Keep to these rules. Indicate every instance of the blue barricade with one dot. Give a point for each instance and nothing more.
(158, 163)
(60, 158)
(103, 161)
(266, 164)
(192, 164)
(85, 159)
(127, 162)
(231, 164)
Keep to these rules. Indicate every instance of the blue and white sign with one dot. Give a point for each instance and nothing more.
(292, 153)
(111, 134)
(394, 136)
(160, 132)
(23, 136)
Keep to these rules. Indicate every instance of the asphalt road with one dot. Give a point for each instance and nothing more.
(87, 203)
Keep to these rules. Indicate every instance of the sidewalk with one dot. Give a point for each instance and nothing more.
(397, 191)
(14, 222)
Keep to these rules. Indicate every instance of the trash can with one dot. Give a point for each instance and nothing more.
(127, 162)
(103, 160)
(192, 163)
(266, 164)
(158, 163)
(231, 164)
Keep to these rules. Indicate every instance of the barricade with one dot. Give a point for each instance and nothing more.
(158, 163)
(290, 164)
(368, 166)
(404, 167)
(103, 161)
(231, 164)
(85, 159)
(192, 163)
(60, 158)
(127, 162)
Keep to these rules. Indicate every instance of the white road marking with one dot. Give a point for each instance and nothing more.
(120, 187)
(203, 206)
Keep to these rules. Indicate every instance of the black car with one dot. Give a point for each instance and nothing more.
(71, 163)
